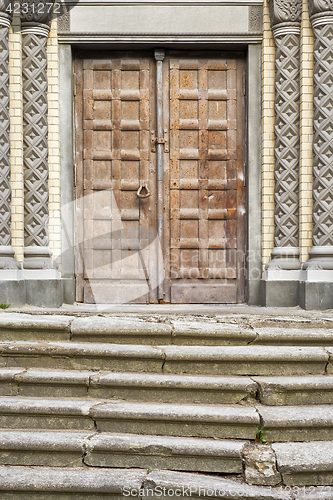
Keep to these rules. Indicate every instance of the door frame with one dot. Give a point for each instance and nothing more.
(252, 170)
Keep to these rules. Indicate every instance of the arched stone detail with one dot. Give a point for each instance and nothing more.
(285, 16)
(35, 30)
(321, 254)
(7, 261)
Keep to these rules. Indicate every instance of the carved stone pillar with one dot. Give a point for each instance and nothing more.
(285, 17)
(8, 265)
(35, 30)
(320, 264)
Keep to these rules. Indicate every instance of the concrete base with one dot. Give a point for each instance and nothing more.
(12, 292)
(279, 293)
(44, 293)
(316, 295)
(68, 290)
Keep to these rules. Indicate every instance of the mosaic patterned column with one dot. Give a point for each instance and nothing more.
(285, 16)
(7, 261)
(35, 30)
(321, 254)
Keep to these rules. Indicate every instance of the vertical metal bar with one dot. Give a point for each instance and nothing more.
(159, 57)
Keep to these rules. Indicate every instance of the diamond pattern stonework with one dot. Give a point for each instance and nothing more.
(323, 136)
(5, 189)
(287, 137)
(35, 140)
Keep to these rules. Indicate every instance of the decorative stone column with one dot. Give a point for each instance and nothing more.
(319, 267)
(9, 267)
(35, 30)
(284, 268)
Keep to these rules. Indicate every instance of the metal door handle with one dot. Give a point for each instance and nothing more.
(143, 191)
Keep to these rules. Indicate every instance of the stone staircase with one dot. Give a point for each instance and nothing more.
(110, 407)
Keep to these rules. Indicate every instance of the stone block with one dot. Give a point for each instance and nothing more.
(260, 465)
(316, 295)
(44, 293)
(279, 293)
(13, 292)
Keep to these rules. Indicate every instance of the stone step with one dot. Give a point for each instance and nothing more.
(206, 360)
(227, 330)
(223, 422)
(313, 390)
(18, 483)
(128, 386)
(167, 388)
(283, 423)
(305, 464)
(292, 423)
(72, 449)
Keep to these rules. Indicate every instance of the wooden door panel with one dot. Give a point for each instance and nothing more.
(116, 126)
(205, 161)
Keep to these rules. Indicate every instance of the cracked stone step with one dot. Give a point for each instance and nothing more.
(293, 336)
(305, 464)
(314, 390)
(120, 330)
(48, 483)
(211, 360)
(117, 484)
(128, 386)
(14, 326)
(66, 355)
(200, 486)
(297, 423)
(246, 360)
(224, 422)
(71, 449)
(38, 413)
(172, 388)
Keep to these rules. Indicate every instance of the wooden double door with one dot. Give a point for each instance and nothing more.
(160, 177)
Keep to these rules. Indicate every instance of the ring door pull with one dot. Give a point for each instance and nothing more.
(143, 191)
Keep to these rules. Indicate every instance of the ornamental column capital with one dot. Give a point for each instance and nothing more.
(320, 11)
(36, 16)
(6, 12)
(285, 15)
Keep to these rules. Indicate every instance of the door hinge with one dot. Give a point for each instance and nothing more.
(159, 140)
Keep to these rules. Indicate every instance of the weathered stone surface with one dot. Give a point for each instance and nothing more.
(212, 487)
(245, 360)
(224, 422)
(305, 463)
(85, 481)
(120, 330)
(314, 390)
(56, 355)
(171, 388)
(260, 465)
(294, 336)
(298, 423)
(33, 413)
(57, 383)
(105, 450)
(210, 333)
(26, 326)
(56, 449)
(8, 385)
